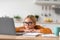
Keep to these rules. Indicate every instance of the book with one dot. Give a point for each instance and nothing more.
(31, 34)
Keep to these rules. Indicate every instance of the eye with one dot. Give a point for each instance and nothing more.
(30, 22)
(24, 22)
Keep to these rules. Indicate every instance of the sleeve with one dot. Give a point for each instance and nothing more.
(19, 29)
(38, 27)
(46, 31)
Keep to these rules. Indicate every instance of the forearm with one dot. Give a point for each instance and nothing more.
(19, 29)
(46, 31)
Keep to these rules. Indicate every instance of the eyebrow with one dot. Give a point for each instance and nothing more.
(27, 22)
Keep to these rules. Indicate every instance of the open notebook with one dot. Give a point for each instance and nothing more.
(38, 34)
(31, 34)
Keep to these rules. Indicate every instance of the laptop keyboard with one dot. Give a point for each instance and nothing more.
(19, 33)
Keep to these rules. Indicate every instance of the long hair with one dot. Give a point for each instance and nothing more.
(32, 18)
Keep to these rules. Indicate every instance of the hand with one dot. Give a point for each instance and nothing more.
(31, 30)
(36, 30)
(22, 30)
(27, 30)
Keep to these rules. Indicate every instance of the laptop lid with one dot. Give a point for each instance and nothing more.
(7, 26)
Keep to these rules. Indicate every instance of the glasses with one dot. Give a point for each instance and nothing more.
(29, 23)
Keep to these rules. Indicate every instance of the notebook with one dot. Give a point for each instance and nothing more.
(32, 34)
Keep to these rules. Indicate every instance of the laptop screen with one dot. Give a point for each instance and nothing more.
(7, 26)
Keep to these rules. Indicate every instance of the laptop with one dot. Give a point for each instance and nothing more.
(7, 26)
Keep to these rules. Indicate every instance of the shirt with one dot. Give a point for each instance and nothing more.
(42, 29)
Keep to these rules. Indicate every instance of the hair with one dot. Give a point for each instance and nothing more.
(32, 18)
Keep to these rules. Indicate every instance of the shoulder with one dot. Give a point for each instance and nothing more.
(46, 31)
(38, 27)
(43, 30)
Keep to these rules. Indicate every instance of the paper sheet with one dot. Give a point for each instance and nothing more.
(48, 35)
(31, 34)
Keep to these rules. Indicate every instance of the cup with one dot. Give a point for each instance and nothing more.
(56, 31)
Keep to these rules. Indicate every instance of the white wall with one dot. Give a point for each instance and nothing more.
(18, 7)
(23, 8)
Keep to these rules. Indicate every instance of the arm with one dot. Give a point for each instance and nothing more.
(46, 31)
(19, 29)
(43, 30)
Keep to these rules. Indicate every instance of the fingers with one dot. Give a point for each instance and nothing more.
(27, 30)
(21, 29)
(31, 30)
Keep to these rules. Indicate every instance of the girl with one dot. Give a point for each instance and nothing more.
(29, 25)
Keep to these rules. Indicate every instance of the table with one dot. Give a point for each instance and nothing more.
(11, 37)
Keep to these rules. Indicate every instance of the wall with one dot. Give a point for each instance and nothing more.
(18, 7)
(22, 8)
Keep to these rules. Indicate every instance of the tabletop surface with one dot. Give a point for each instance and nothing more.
(26, 37)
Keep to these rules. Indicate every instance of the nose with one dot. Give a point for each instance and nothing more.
(27, 24)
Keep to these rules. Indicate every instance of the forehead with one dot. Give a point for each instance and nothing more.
(28, 20)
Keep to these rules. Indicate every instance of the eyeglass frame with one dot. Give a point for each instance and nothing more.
(29, 23)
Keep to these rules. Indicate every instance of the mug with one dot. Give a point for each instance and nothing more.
(56, 31)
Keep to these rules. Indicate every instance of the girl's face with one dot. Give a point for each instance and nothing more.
(28, 23)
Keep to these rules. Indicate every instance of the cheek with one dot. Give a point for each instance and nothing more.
(26, 26)
(29, 26)
(32, 25)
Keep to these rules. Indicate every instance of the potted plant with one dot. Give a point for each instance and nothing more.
(37, 17)
(17, 18)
